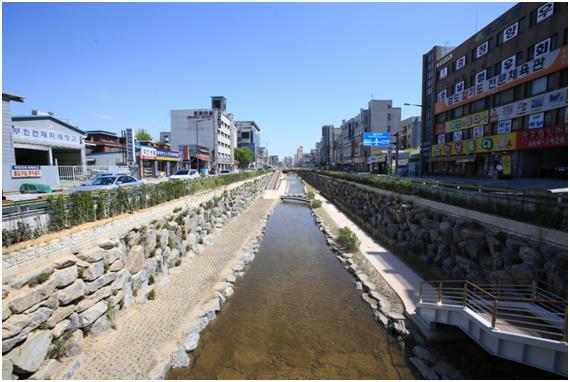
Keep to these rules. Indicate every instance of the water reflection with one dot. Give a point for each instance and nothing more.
(296, 315)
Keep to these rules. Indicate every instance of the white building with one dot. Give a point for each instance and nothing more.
(212, 128)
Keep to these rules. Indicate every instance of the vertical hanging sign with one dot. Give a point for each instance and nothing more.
(130, 138)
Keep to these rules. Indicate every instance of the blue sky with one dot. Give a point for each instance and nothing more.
(290, 67)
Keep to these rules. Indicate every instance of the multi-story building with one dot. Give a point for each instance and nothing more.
(410, 132)
(165, 137)
(274, 160)
(326, 153)
(249, 135)
(105, 148)
(212, 128)
(299, 155)
(336, 148)
(501, 97)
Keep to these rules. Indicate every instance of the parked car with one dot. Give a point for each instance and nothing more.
(184, 175)
(225, 172)
(111, 182)
(100, 175)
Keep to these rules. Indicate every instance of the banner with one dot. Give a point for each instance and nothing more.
(472, 120)
(167, 155)
(46, 137)
(551, 136)
(439, 128)
(543, 102)
(547, 63)
(148, 153)
(503, 142)
(504, 127)
(26, 171)
(130, 139)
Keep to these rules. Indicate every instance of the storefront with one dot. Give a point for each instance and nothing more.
(196, 158)
(474, 157)
(157, 163)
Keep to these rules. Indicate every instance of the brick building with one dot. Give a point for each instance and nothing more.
(500, 97)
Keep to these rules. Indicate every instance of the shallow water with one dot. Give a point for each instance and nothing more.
(296, 314)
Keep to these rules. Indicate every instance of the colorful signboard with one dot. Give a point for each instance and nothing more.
(544, 137)
(536, 120)
(472, 120)
(376, 139)
(46, 137)
(148, 153)
(167, 155)
(544, 102)
(504, 127)
(503, 142)
(26, 171)
(547, 63)
(478, 131)
(440, 128)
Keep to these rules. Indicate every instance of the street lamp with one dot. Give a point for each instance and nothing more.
(421, 134)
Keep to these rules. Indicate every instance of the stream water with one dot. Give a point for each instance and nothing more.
(295, 315)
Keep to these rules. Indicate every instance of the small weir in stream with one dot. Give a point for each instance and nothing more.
(295, 315)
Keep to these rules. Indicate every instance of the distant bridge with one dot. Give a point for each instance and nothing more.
(522, 323)
(291, 198)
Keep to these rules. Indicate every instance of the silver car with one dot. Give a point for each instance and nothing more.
(111, 182)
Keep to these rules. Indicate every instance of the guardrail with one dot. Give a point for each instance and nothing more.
(529, 309)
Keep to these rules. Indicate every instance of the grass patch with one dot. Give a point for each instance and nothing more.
(177, 263)
(311, 195)
(316, 203)
(151, 295)
(150, 280)
(348, 239)
(57, 350)
(39, 279)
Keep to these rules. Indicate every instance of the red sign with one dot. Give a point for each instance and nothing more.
(544, 137)
(440, 128)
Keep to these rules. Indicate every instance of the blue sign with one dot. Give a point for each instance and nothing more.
(376, 139)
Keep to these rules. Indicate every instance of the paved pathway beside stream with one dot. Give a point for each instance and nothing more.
(398, 275)
(129, 351)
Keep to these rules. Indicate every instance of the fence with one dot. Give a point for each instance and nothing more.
(74, 176)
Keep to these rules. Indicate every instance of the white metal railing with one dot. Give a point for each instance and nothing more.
(74, 176)
(528, 308)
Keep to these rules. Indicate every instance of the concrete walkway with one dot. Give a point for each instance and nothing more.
(134, 348)
(398, 275)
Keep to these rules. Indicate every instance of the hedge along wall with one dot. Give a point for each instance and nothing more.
(77, 208)
(538, 208)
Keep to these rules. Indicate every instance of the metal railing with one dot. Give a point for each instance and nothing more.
(531, 309)
(73, 176)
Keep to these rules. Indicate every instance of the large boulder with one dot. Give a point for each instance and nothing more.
(100, 282)
(102, 324)
(72, 292)
(91, 300)
(17, 282)
(29, 357)
(91, 255)
(136, 259)
(60, 314)
(29, 297)
(90, 315)
(65, 277)
(93, 271)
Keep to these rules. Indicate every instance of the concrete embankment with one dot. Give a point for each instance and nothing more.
(68, 316)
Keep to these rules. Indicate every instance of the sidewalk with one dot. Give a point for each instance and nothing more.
(142, 330)
(397, 274)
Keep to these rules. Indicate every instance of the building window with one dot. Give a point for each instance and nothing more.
(481, 77)
(511, 32)
(554, 81)
(504, 97)
(508, 64)
(538, 86)
(541, 48)
(459, 87)
(544, 12)
(443, 73)
(478, 106)
(457, 113)
(460, 63)
(482, 49)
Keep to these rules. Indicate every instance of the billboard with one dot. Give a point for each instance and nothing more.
(130, 139)
(376, 139)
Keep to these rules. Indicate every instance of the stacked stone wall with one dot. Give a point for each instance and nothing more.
(47, 312)
(450, 247)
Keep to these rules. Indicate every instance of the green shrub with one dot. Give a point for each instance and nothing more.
(311, 195)
(316, 203)
(39, 279)
(178, 262)
(57, 349)
(151, 295)
(150, 280)
(348, 239)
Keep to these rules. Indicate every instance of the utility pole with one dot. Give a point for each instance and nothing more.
(397, 135)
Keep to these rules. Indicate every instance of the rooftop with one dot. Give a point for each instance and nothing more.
(49, 118)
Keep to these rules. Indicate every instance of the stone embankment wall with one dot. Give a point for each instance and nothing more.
(47, 312)
(452, 247)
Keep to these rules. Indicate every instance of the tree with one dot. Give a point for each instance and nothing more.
(244, 156)
(143, 135)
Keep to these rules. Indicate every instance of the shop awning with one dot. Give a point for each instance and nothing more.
(460, 159)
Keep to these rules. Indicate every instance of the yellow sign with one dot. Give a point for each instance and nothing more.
(375, 151)
(501, 142)
(506, 159)
(472, 120)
